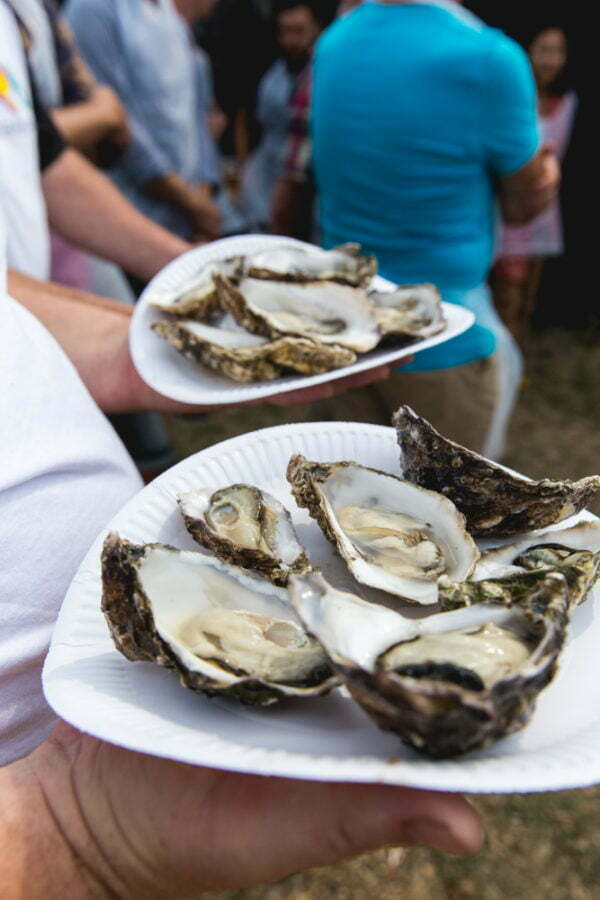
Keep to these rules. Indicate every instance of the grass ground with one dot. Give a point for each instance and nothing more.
(538, 847)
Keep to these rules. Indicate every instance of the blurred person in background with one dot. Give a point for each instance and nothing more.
(516, 274)
(293, 206)
(241, 41)
(91, 119)
(299, 23)
(422, 119)
(144, 49)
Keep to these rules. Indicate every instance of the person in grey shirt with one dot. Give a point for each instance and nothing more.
(144, 50)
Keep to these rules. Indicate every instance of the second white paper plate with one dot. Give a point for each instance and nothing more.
(172, 375)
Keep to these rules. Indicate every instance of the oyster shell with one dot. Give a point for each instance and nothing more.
(344, 264)
(222, 630)
(502, 572)
(325, 312)
(494, 502)
(550, 545)
(580, 570)
(238, 355)
(411, 311)
(247, 357)
(448, 683)
(245, 526)
(196, 298)
(392, 534)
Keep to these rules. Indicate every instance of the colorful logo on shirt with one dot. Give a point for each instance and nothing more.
(12, 95)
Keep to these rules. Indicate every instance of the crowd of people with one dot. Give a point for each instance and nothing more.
(130, 131)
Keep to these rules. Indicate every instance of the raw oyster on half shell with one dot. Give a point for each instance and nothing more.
(325, 312)
(345, 264)
(409, 311)
(392, 534)
(222, 630)
(448, 683)
(247, 357)
(246, 526)
(196, 298)
(494, 502)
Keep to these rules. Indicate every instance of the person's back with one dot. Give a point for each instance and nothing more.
(416, 108)
(420, 114)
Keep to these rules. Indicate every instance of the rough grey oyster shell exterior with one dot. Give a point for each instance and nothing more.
(494, 502)
(264, 362)
(243, 364)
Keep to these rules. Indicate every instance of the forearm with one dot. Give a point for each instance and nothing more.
(172, 188)
(86, 209)
(520, 208)
(528, 192)
(81, 125)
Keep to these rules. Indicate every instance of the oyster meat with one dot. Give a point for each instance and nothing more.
(325, 312)
(410, 311)
(495, 502)
(345, 264)
(392, 534)
(247, 357)
(448, 683)
(246, 526)
(222, 630)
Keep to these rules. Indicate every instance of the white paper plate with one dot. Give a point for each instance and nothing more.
(172, 375)
(143, 707)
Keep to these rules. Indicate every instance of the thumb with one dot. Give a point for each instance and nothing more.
(283, 826)
(370, 816)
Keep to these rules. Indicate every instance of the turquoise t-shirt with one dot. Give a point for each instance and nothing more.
(417, 108)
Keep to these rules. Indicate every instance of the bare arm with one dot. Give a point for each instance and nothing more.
(83, 819)
(528, 192)
(88, 210)
(84, 124)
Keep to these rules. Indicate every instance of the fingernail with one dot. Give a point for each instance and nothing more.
(430, 833)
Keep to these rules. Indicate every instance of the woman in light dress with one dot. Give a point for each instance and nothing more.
(523, 249)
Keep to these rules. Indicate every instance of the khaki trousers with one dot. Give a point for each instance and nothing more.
(459, 402)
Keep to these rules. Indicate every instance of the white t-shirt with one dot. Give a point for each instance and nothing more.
(21, 199)
(63, 474)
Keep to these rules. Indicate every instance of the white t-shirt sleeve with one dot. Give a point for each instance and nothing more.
(64, 473)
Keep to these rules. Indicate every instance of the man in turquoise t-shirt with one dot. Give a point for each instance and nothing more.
(423, 119)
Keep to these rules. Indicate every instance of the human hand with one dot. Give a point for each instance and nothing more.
(112, 112)
(217, 122)
(139, 826)
(205, 214)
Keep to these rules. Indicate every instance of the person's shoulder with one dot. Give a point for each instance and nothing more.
(502, 53)
(342, 27)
